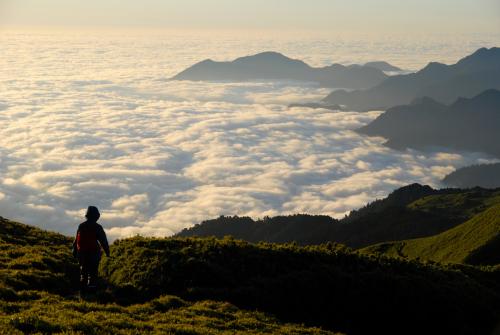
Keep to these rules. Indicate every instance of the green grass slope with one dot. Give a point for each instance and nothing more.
(327, 285)
(33, 259)
(38, 279)
(43, 313)
(476, 241)
(210, 286)
(457, 203)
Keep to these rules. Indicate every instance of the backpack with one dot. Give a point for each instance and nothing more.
(86, 238)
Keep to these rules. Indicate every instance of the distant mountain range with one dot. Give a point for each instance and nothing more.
(410, 212)
(467, 124)
(384, 66)
(315, 105)
(482, 175)
(444, 83)
(275, 66)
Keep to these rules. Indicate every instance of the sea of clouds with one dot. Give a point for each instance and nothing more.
(87, 119)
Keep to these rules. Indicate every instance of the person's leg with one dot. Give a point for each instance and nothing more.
(93, 270)
(84, 272)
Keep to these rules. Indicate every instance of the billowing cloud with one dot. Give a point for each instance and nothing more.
(157, 156)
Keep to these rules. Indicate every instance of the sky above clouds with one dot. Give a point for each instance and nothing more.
(407, 17)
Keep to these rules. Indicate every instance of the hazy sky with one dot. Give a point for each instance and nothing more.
(481, 16)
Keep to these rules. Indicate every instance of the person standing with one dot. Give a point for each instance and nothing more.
(89, 242)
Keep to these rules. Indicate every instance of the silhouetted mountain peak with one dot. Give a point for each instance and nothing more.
(383, 66)
(482, 59)
(425, 101)
(271, 65)
(482, 54)
(469, 124)
(489, 99)
(269, 57)
(488, 94)
(336, 66)
(434, 68)
(206, 61)
(482, 175)
(444, 83)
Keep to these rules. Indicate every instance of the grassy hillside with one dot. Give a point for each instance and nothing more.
(211, 286)
(326, 286)
(38, 279)
(39, 312)
(33, 259)
(459, 204)
(410, 212)
(476, 241)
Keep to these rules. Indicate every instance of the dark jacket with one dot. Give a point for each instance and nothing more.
(90, 238)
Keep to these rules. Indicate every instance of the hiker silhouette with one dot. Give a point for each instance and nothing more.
(89, 242)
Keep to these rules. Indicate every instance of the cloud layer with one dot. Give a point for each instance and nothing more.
(157, 156)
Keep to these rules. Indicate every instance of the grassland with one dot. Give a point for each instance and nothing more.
(41, 312)
(477, 241)
(38, 278)
(328, 285)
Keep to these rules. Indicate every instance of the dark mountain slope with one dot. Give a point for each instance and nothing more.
(275, 66)
(409, 212)
(467, 124)
(483, 175)
(383, 66)
(301, 228)
(444, 83)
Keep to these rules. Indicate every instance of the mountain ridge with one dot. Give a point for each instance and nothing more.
(402, 215)
(426, 123)
(383, 66)
(468, 77)
(482, 175)
(272, 65)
